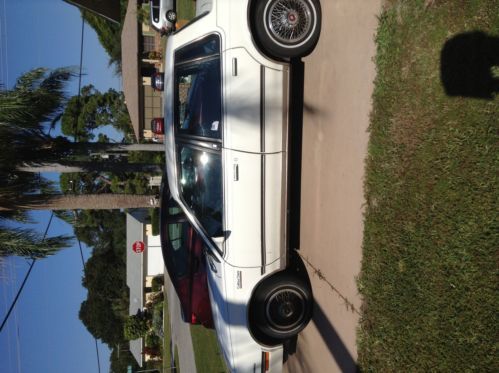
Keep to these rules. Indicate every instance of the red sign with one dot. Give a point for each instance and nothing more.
(138, 246)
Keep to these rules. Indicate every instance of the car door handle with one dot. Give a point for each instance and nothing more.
(234, 67)
(211, 264)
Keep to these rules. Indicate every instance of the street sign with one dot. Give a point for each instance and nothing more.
(138, 247)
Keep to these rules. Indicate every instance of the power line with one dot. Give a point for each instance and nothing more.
(75, 119)
(83, 265)
(25, 277)
(6, 56)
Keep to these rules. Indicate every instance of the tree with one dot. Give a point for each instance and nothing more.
(109, 35)
(34, 103)
(92, 109)
(28, 244)
(136, 326)
(80, 166)
(106, 307)
(100, 321)
(76, 202)
(31, 107)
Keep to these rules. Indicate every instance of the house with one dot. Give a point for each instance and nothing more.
(141, 56)
(144, 261)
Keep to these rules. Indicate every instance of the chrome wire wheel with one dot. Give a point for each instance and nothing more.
(289, 21)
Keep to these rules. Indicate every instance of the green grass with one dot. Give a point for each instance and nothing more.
(167, 335)
(429, 275)
(206, 350)
(186, 9)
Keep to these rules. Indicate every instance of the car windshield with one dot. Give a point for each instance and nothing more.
(201, 186)
(155, 10)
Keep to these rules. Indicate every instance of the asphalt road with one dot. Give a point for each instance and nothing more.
(181, 332)
(337, 101)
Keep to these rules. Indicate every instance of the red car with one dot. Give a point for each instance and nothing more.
(184, 259)
(158, 126)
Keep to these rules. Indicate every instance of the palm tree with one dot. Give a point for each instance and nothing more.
(28, 110)
(27, 243)
(80, 166)
(108, 201)
(34, 104)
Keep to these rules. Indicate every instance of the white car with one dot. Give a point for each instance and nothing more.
(163, 15)
(226, 115)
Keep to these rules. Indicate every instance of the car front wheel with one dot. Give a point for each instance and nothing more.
(287, 28)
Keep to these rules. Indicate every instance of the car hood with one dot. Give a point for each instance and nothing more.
(203, 6)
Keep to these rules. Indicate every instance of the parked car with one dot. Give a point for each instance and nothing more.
(158, 126)
(163, 15)
(157, 81)
(184, 259)
(227, 79)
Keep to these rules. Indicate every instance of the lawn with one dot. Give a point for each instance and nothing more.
(186, 9)
(206, 350)
(167, 335)
(429, 277)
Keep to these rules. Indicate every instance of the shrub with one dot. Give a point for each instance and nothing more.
(136, 326)
(157, 282)
(157, 320)
(152, 340)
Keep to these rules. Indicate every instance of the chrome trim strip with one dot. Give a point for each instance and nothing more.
(262, 172)
(262, 108)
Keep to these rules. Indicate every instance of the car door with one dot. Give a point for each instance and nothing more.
(183, 252)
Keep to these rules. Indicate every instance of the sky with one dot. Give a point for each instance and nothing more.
(44, 333)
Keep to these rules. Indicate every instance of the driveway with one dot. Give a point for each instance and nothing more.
(181, 332)
(337, 101)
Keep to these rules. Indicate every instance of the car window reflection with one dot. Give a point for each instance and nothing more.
(198, 89)
(179, 234)
(201, 186)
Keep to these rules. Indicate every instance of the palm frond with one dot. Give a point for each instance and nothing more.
(28, 243)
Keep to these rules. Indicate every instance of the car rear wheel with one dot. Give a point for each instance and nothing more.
(282, 306)
(287, 28)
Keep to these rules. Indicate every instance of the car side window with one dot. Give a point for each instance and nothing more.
(201, 186)
(178, 236)
(198, 89)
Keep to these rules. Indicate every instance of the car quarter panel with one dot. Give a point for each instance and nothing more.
(231, 290)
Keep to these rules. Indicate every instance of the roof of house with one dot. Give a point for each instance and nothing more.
(135, 272)
(109, 9)
(130, 68)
